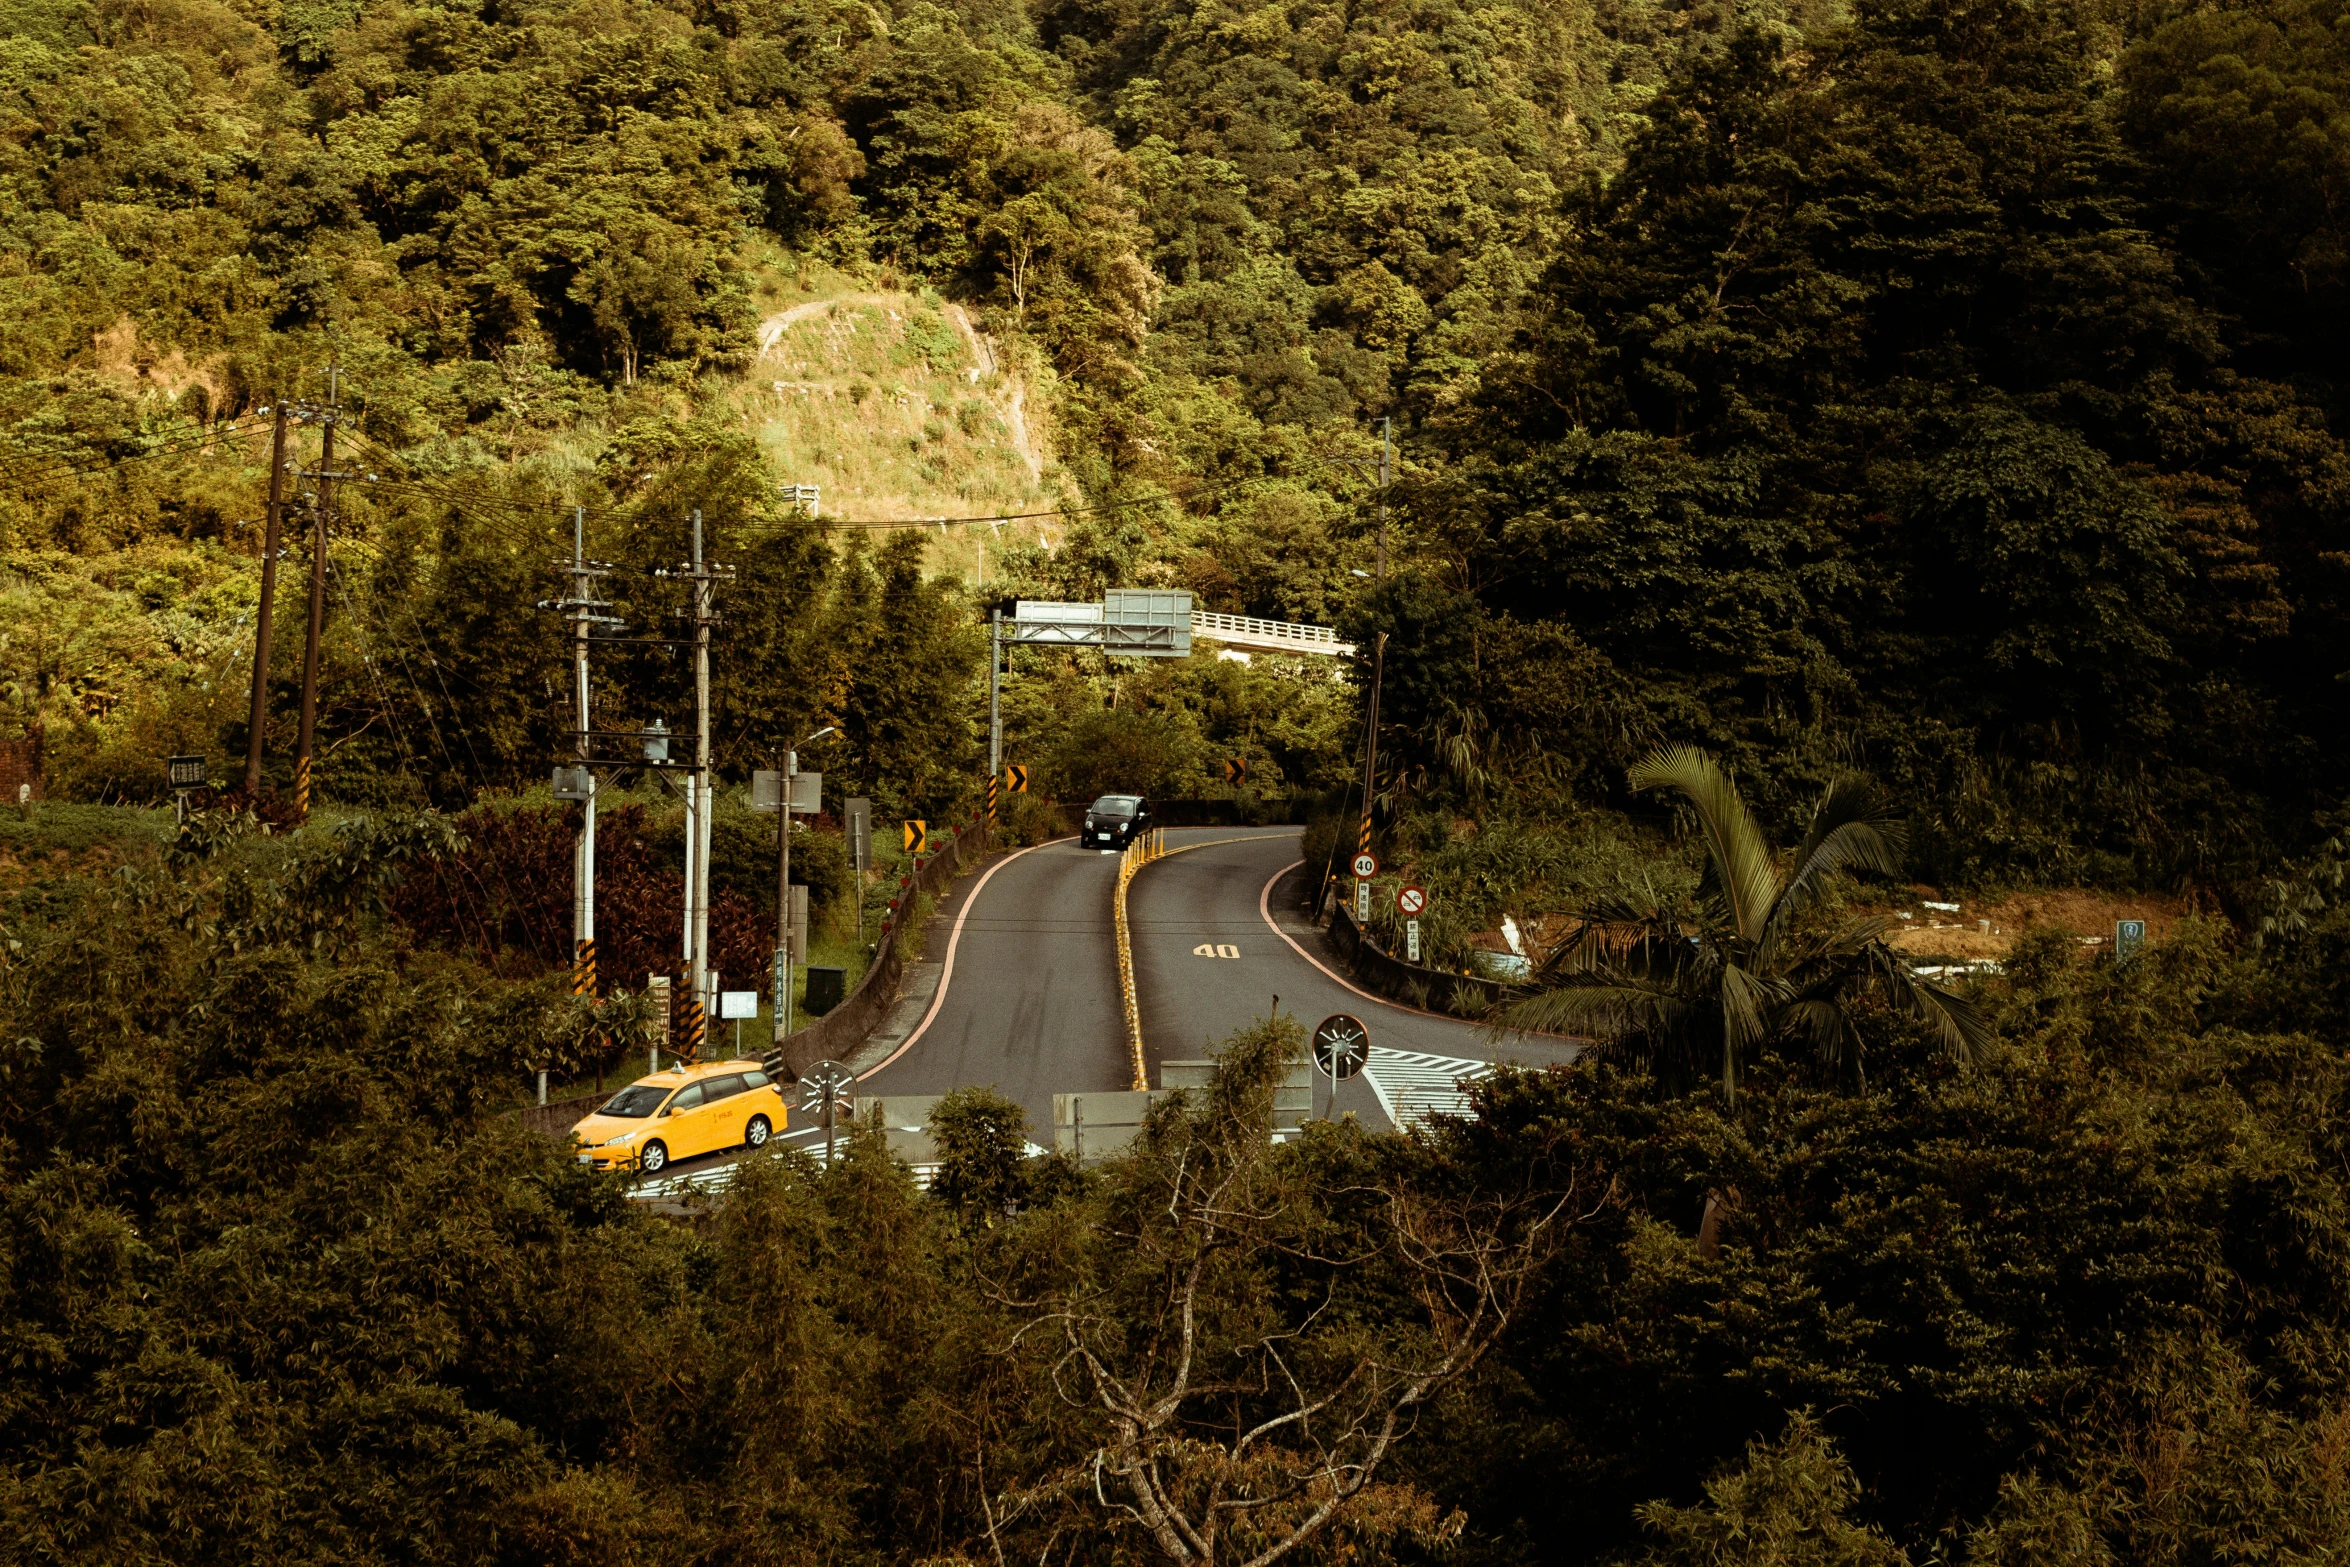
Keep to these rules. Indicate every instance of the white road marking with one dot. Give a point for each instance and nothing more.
(1413, 1086)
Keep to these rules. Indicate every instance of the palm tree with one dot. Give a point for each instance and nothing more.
(1745, 971)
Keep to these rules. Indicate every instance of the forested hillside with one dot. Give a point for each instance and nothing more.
(1945, 390)
(1932, 409)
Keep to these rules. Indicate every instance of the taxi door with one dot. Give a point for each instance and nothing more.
(728, 1108)
(685, 1123)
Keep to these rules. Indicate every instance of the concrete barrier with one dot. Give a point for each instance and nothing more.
(1381, 971)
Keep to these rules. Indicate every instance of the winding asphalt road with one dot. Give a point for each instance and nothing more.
(1029, 1004)
(1029, 999)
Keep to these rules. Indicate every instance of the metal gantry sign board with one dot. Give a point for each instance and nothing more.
(1128, 622)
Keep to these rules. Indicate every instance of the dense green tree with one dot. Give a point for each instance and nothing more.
(1748, 972)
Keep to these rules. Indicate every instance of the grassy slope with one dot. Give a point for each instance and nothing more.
(900, 409)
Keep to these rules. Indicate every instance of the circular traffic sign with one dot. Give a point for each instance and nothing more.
(1366, 864)
(1341, 1046)
(825, 1079)
(1411, 900)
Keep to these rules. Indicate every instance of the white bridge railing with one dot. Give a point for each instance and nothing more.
(1286, 636)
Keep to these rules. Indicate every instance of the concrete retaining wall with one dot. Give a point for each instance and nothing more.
(1390, 976)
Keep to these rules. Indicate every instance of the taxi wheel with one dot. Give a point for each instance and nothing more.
(755, 1135)
(656, 1157)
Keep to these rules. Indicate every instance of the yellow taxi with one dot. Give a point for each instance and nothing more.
(677, 1114)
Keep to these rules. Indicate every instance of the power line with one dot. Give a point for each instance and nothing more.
(453, 489)
(176, 446)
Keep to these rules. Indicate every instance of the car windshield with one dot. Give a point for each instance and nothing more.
(1117, 805)
(636, 1101)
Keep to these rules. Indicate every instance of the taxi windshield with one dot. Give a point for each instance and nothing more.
(636, 1101)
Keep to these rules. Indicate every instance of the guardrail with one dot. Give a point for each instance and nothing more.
(1150, 846)
(1248, 630)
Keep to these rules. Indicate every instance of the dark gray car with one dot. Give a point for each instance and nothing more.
(1112, 821)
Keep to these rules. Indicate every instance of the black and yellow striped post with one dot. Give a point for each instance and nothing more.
(991, 789)
(1363, 839)
(583, 968)
(697, 1028)
(302, 789)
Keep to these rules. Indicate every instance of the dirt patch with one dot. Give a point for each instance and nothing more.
(22, 865)
(1989, 930)
(123, 358)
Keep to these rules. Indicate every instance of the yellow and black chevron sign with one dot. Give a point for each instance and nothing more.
(1015, 778)
(917, 836)
(1235, 769)
(583, 968)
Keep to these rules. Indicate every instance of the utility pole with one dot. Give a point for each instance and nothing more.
(995, 703)
(1371, 741)
(1386, 449)
(699, 801)
(269, 554)
(583, 606)
(321, 509)
(783, 898)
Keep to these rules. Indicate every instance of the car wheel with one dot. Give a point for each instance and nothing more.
(755, 1135)
(655, 1158)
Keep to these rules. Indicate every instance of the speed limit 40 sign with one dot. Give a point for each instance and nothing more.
(1366, 864)
(1411, 900)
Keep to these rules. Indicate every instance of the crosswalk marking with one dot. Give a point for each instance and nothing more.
(1413, 1086)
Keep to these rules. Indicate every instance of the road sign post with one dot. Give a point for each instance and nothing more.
(657, 987)
(187, 775)
(860, 827)
(735, 1005)
(1341, 1048)
(826, 1086)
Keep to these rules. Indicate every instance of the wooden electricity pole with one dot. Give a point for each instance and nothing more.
(270, 544)
(305, 745)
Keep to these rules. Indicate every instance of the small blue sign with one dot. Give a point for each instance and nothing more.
(2128, 937)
